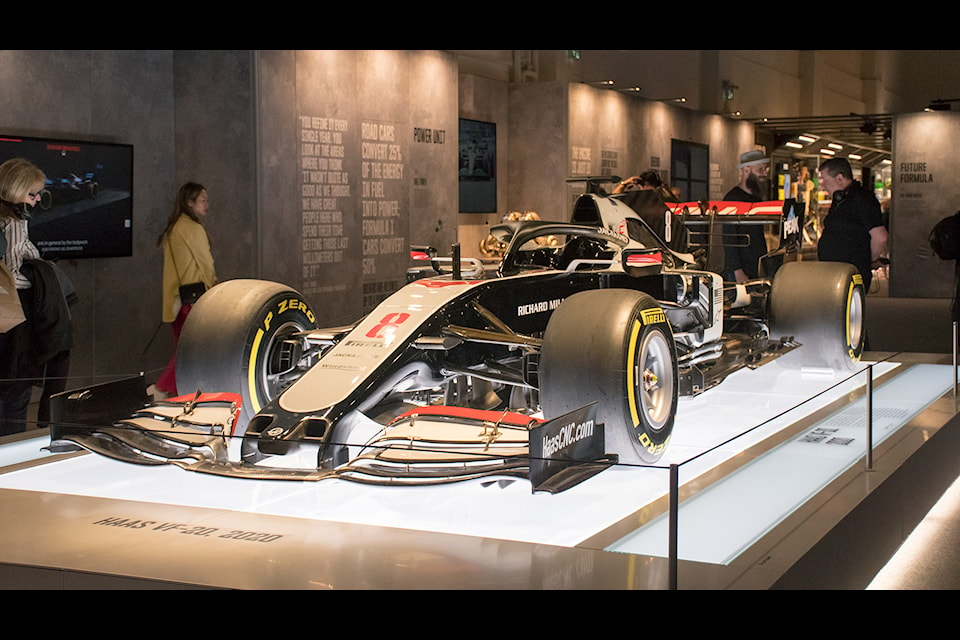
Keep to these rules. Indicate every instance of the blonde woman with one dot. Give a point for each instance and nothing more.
(21, 183)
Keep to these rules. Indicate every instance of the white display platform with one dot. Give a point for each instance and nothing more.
(753, 499)
(750, 452)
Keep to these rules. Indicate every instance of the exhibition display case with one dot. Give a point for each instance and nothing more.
(761, 471)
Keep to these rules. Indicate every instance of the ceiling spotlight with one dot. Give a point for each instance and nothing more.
(600, 83)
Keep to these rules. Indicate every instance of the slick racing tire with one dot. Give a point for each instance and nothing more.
(232, 339)
(820, 304)
(613, 347)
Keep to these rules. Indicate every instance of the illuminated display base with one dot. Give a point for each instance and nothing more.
(765, 485)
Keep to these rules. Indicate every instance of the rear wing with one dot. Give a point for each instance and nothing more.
(785, 215)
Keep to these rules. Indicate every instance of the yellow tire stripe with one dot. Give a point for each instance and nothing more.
(857, 280)
(252, 372)
(850, 344)
(631, 369)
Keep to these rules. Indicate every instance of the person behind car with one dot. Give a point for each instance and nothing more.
(647, 195)
(187, 259)
(745, 244)
(26, 348)
(649, 180)
(853, 229)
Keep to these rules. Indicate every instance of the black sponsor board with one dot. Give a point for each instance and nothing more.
(567, 450)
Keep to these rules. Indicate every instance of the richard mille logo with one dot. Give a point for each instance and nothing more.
(538, 307)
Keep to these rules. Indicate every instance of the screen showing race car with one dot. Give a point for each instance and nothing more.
(86, 206)
(478, 166)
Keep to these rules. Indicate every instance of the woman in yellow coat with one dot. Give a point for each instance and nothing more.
(186, 259)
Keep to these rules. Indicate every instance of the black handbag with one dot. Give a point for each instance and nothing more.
(190, 293)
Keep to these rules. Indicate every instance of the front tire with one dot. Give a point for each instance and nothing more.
(820, 304)
(232, 338)
(614, 347)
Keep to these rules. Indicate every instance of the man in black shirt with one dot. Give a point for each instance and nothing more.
(853, 228)
(745, 244)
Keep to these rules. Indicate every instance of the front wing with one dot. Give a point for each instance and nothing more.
(425, 446)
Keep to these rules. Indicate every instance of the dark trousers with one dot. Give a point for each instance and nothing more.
(14, 401)
(54, 381)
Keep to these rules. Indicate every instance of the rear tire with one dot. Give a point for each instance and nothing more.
(613, 347)
(820, 304)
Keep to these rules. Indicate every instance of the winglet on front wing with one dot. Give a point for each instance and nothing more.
(443, 445)
(183, 431)
(568, 450)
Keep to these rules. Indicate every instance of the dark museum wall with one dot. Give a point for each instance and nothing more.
(357, 159)
(925, 190)
(215, 126)
(583, 130)
(110, 96)
(375, 131)
(322, 164)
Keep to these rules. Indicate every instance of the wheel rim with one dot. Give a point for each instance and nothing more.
(655, 379)
(854, 317)
(269, 382)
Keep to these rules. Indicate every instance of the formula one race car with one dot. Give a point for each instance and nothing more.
(567, 357)
(68, 188)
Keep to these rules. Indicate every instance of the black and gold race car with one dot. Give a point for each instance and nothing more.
(565, 358)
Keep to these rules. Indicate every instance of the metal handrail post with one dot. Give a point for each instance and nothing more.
(673, 520)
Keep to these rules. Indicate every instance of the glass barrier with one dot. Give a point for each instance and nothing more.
(717, 511)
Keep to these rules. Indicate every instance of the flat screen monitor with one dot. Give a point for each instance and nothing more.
(86, 206)
(478, 166)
